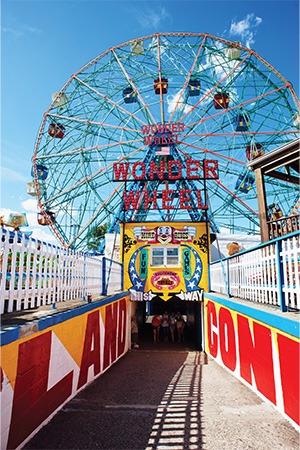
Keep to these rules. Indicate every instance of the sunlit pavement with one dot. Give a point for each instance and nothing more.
(167, 396)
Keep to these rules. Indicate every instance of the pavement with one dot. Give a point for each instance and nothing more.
(22, 317)
(166, 396)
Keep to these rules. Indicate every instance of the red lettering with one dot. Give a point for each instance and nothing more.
(178, 173)
(148, 201)
(189, 169)
(200, 205)
(122, 326)
(91, 348)
(256, 354)
(121, 170)
(145, 129)
(211, 168)
(32, 403)
(131, 199)
(159, 171)
(227, 339)
(135, 167)
(185, 198)
(289, 351)
(110, 339)
(166, 199)
(1, 379)
(148, 140)
(212, 336)
(177, 127)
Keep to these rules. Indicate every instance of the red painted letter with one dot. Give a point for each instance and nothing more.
(110, 339)
(121, 171)
(227, 339)
(166, 199)
(32, 403)
(91, 348)
(289, 352)
(150, 201)
(135, 169)
(185, 199)
(189, 169)
(256, 353)
(211, 168)
(160, 172)
(122, 326)
(131, 198)
(212, 336)
(177, 174)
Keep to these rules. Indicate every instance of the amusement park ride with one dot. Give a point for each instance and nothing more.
(138, 132)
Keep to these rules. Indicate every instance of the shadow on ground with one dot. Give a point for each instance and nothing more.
(129, 406)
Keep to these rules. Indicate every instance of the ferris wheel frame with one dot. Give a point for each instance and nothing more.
(230, 100)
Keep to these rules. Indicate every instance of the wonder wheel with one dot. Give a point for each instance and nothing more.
(164, 97)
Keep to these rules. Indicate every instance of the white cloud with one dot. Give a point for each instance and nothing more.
(21, 30)
(6, 212)
(30, 205)
(245, 29)
(12, 175)
(42, 235)
(174, 102)
(149, 17)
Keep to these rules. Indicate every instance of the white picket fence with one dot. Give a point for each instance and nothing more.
(268, 273)
(34, 273)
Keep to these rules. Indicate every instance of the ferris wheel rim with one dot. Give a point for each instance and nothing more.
(148, 37)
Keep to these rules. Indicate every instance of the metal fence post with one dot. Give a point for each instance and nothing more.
(228, 278)
(104, 286)
(84, 279)
(122, 276)
(280, 277)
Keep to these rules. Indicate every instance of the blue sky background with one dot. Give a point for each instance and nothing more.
(45, 42)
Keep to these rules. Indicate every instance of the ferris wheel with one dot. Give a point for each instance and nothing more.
(166, 96)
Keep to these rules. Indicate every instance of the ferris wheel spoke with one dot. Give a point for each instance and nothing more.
(237, 198)
(234, 108)
(100, 122)
(94, 215)
(95, 148)
(160, 76)
(91, 122)
(134, 87)
(211, 152)
(90, 177)
(216, 85)
(113, 103)
(187, 81)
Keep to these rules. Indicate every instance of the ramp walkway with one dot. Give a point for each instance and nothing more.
(166, 396)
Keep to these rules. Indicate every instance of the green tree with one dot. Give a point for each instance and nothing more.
(95, 236)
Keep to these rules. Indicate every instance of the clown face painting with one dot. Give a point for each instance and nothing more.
(164, 234)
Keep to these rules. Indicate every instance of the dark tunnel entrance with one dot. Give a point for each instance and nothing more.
(192, 333)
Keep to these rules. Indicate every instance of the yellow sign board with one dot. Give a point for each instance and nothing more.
(165, 261)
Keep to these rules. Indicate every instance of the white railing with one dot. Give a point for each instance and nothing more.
(268, 273)
(34, 273)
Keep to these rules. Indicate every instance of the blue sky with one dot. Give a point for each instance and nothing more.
(45, 42)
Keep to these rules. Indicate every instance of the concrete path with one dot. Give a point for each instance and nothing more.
(167, 396)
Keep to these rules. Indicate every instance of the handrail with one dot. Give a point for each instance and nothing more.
(35, 273)
(268, 273)
(261, 245)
